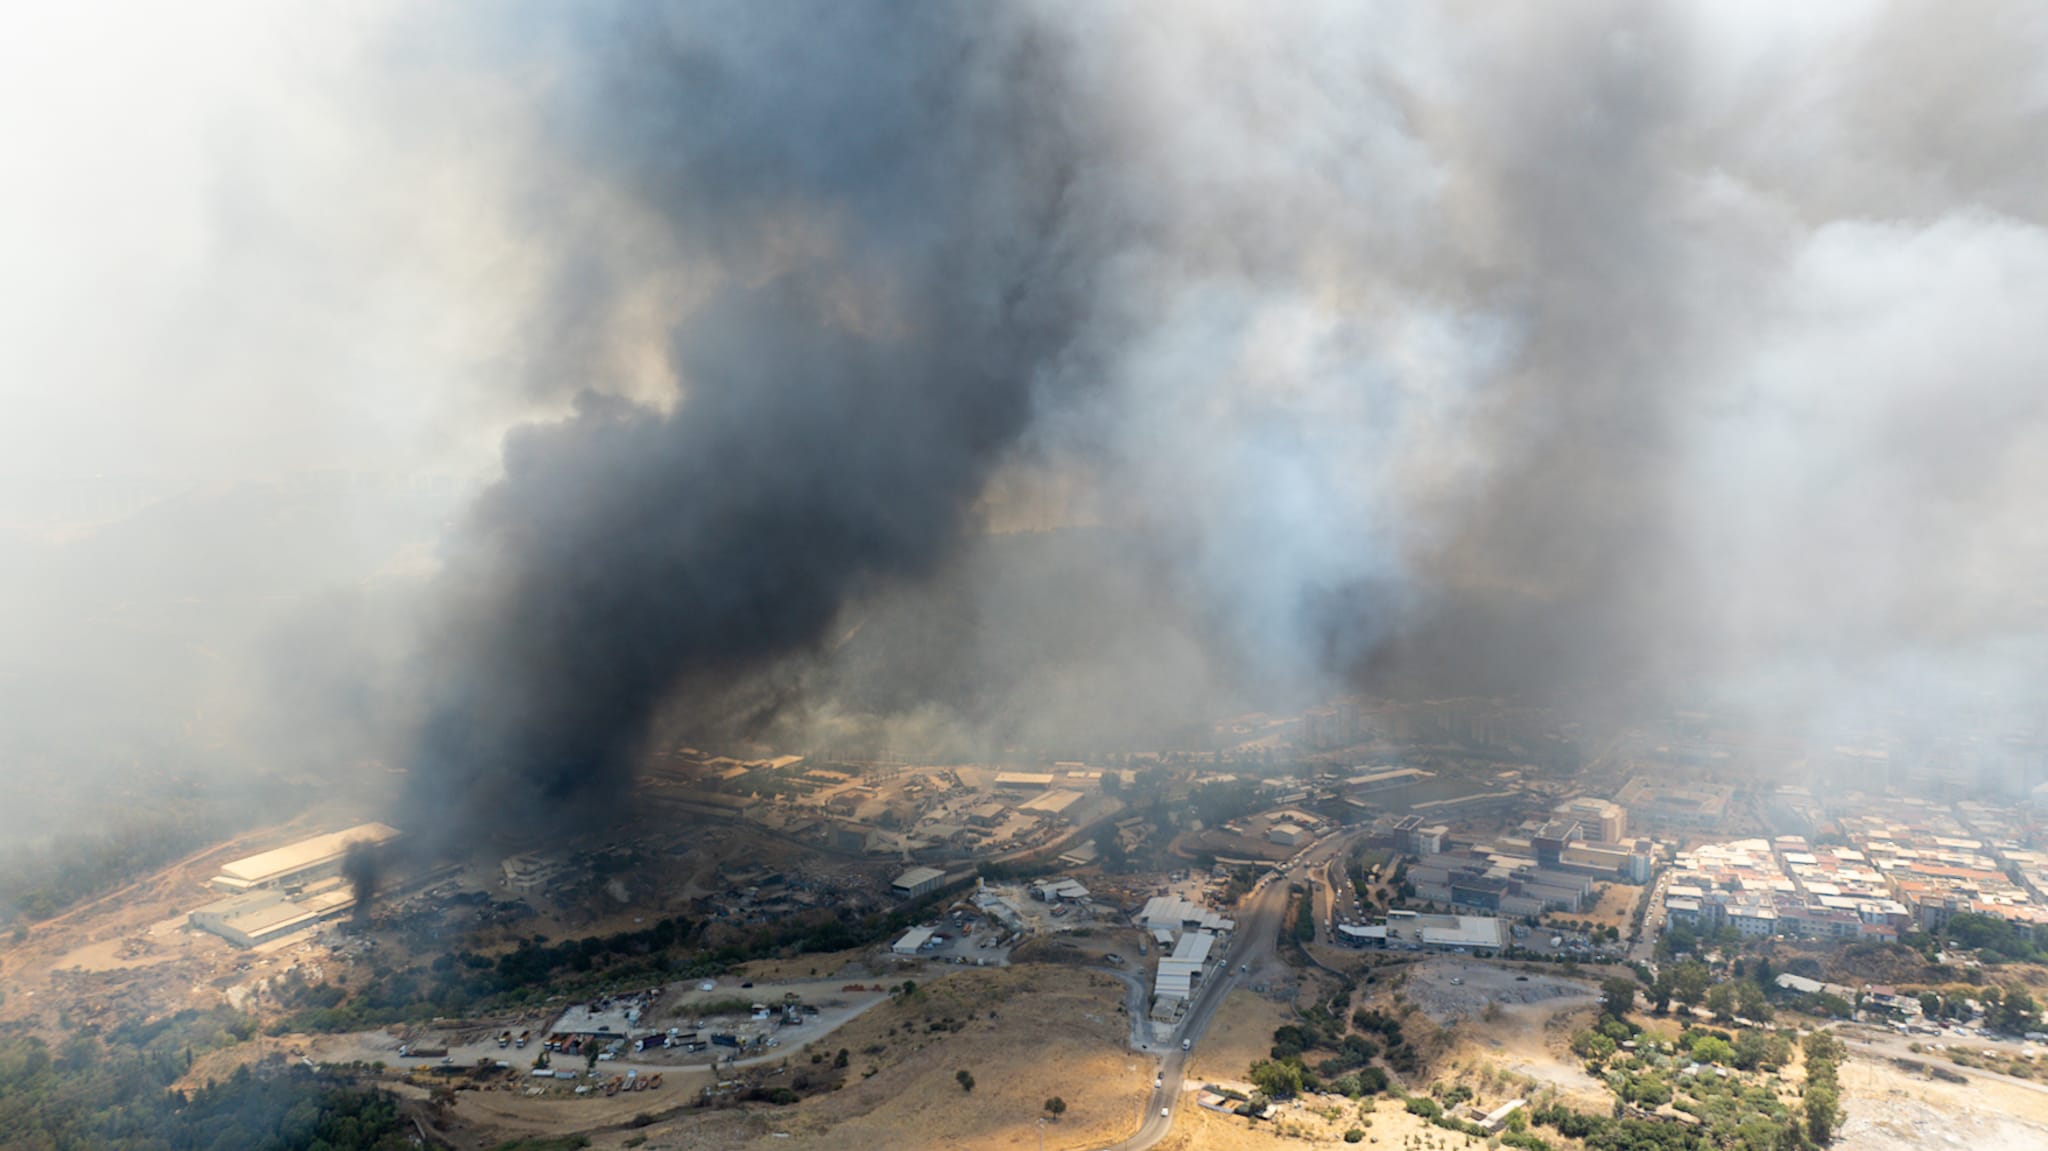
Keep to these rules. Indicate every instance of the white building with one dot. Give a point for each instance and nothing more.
(913, 941)
(1173, 913)
(1287, 834)
(306, 861)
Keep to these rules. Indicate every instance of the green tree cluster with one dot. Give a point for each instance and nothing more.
(118, 1098)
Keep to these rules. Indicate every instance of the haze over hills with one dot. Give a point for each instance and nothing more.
(686, 573)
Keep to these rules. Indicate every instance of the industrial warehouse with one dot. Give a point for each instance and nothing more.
(301, 863)
(286, 890)
(261, 916)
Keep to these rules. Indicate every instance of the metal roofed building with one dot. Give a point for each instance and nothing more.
(1467, 931)
(1385, 780)
(1474, 931)
(1173, 984)
(917, 881)
(1287, 834)
(261, 916)
(1174, 913)
(913, 941)
(1051, 803)
(1194, 947)
(1371, 935)
(306, 861)
(1057, 890)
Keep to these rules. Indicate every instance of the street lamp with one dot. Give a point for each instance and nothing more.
(1041, 1134)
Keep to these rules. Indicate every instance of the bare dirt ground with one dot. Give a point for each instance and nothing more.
(1317, 1121)
(1430, 986)
(1531, 1041)
(1240, 1033)
(1028, 1033)
(1891, 1109)
(1617, 908)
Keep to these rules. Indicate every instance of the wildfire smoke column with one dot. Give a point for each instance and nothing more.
(883, 216)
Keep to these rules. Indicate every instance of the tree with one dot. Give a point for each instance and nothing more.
(1752, 1050)
(1056, 1106)
(1752, 1002)
(1710, 1049)
(1617, 995)
(965, 1078)
(1823, 1111)
(1721, 1000)
(1689, 982)
(1279, 1078)
(2015, 1012)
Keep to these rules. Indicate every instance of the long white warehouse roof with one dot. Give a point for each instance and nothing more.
(304, 854)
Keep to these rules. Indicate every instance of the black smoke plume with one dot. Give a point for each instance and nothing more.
(880, 212)
(363, 866)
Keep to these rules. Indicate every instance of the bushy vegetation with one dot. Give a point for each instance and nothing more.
(117, 1097)
(37, 883)
(1348, 1067)
(1994, 940)
(1822, 1107)
(1706, 1073)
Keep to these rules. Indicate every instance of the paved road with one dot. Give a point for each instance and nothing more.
(1645, 948)
(1258, 917)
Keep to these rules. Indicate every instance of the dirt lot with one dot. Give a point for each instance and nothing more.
(1531, 1042)
(1617, 908)
(1890, 1109)
(1240, 1033)
(1448, 990)
(1028, 1033)
(1316, 1121)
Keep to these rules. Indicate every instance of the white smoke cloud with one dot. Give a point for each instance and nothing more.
(1508, 348)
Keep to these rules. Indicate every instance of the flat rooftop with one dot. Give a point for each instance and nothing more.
(918, 875)
(307, 853)
(265, 913)
(1052, 802)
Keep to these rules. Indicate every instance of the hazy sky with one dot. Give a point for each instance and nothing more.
(1689, 345)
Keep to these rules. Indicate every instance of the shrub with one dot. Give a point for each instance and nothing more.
(1424, 1106)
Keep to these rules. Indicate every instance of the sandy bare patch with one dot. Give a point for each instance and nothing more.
(1448, 990)
(1891, 1109)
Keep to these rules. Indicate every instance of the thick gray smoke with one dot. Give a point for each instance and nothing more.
(1670, 347)
(879, 219)
(976, 375)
